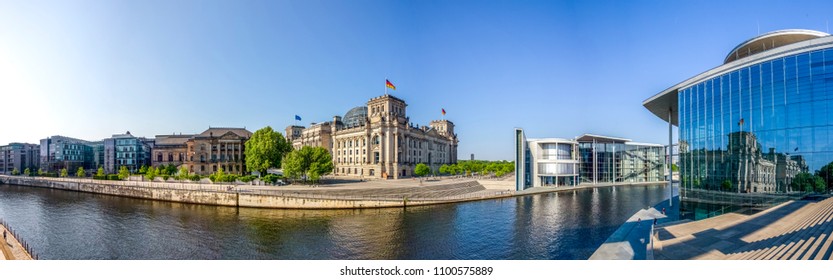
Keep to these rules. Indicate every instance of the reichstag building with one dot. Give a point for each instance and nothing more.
(379, 140)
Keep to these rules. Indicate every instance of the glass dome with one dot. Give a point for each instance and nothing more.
(355, 116)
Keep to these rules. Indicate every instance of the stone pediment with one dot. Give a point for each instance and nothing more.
(230, 136)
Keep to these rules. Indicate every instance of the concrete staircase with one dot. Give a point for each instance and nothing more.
(798, 230)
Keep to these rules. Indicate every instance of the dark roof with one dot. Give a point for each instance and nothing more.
(219, 131)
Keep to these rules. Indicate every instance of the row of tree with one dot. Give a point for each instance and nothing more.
(269, 149)
(483, 167)
(820, 182)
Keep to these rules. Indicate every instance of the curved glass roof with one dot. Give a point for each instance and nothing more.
(355, 116)
(771, 40)
(768, 46)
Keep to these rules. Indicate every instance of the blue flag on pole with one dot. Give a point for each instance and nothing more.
(297, 118)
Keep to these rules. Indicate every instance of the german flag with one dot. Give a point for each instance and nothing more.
(389, 84)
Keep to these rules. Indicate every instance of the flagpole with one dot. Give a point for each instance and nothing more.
(386, 85)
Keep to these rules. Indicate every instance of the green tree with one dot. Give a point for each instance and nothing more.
(151, 173)
(167, 170)
(27, 172)
(100, 172)
(826, 174)
(293, 164)
(15, 172)
(80, 173)
(218, 176)
(421, 170)
(183, 173)
(819, 184)
(143, 169)
(726, 185)
(41, 172)
(313, 162)
(455, 169)
(265, 149)
(64, 172)
(508, 167)
(675, 168)
(803, 182)
(444, 169)
(124, 173)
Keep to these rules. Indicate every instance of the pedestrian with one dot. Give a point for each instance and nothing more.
(4, 235)
(663, 210)
(655, 221)
(638, 220)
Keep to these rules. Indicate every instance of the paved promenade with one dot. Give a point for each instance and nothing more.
(10, 249)
(631, 240)
(794, 230)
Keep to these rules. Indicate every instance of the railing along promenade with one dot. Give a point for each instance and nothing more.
(20, 240)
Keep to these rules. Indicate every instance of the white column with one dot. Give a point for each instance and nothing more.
(670, 156)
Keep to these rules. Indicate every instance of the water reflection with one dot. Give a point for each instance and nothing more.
(72, 225)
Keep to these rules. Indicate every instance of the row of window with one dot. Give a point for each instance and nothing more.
(778, 113)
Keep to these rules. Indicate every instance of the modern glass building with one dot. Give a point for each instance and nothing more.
(613, 160)
(58, 152)
(587, 159)
(757, 129)
(126, 150)
(19, 156)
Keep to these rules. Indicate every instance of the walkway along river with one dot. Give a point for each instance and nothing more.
(75, 225)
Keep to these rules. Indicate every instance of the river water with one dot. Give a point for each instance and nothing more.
(567, 225)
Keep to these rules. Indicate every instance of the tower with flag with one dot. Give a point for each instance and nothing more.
(389, 85)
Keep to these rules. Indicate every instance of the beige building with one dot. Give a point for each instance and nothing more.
(379, 141)
(169, 149)
(204, 153)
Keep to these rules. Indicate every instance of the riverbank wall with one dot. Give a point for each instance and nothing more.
(239, 196)
(228, 195)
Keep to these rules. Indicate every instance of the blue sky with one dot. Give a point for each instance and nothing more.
(90, 69)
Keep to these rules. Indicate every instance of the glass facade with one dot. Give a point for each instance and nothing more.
(762, 131)
(58, 152)
(588, 159)
(607, 162)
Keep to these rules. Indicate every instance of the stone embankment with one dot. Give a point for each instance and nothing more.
(242, 196)
(350, 196)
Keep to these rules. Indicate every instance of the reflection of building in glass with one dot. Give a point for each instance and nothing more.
(786, 167)
(587, 159)
(741, 167)
(769, 105)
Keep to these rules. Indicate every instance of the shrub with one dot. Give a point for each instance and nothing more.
(114, 177)
(247, 178)
(194, 177)
(270, 178)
